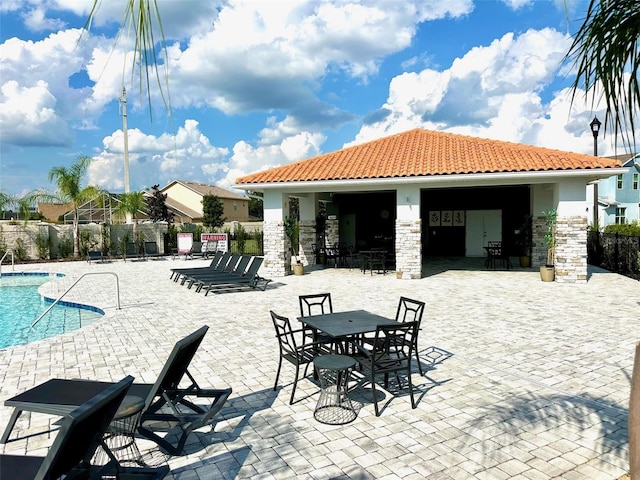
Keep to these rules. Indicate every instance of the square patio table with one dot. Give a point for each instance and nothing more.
(346, 324)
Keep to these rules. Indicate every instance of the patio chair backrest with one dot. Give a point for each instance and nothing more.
(216, 259)
(284, 334)
(233, 261)
(177, 364)
(254, 266)
(409, 310)
(82, 431)
(315, 304)
(399, 342)
(224, 260)
(242, 265)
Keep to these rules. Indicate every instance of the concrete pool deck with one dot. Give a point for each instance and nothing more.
(524, 379)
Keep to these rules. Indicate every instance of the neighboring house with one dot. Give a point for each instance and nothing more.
(618, 195)
(184, 199)
(424, 193)
(52, 212)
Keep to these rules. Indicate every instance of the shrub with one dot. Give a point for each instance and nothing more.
(19, 250)
(65, 247)
(43, 245)
(631, 229)
(241, 238)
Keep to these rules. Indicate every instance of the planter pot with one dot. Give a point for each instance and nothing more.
(298, 269)
(398, 275)
(525, 261)
(547, 274)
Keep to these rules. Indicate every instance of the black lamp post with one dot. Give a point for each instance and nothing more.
(595, 129)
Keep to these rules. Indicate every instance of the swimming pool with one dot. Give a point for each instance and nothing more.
(21, 305)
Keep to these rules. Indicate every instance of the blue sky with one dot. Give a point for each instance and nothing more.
(256, 84)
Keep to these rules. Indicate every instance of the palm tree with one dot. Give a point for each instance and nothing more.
(606, 51)
(70, 191)
(21, 203)
(141, 17)
(129, 204)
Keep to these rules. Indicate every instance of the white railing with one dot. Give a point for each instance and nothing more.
(69, 289)
(5, 256)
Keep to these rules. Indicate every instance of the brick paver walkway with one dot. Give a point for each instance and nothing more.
(524, 379)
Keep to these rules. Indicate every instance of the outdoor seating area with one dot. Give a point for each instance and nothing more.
(496, 388)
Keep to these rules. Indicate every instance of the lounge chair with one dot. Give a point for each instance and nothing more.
(94, 255)
(176, 273)
(131, 250)
(151, 250)
(59, 397)
(232, 266)
(240, 267)
(250, 279)
(225, 259)
(81, 433)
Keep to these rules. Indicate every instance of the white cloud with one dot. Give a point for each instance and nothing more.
(492, 91)
(28, 116)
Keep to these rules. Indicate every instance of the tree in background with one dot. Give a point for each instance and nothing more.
(130, 204)
(606, 52)
(213, 211)
(157, 206)
(21, 204)
(256, 206)
(70, 190)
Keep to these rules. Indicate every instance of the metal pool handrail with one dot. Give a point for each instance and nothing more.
(74, 284)
(5, 256)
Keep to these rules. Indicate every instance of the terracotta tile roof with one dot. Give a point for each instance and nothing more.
(423, 153)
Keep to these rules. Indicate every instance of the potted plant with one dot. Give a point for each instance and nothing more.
(525, 242)
(548, 271)
(291, 230)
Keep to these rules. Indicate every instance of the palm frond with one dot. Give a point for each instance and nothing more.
(605, 52)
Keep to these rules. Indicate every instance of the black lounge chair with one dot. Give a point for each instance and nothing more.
(94, 255)
(151, 250)
(238, 269)
(176, 273)
(218, 263)
(132, 250)
(250, 279)
(81, 433)
(59, 397)
(236, 266)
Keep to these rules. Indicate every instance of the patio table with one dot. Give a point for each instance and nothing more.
(346, 324)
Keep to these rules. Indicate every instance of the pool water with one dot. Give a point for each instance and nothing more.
(21, 305)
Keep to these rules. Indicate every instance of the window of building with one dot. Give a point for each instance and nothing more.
(621, 215)
(235, 205)
(620, 177)
(636, 181)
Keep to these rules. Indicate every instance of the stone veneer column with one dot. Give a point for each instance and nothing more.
(571, 249)
(408, 248)
(307, 236)
(332, 231)
(275, 245)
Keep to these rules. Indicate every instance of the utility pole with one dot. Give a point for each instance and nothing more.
(123, 101)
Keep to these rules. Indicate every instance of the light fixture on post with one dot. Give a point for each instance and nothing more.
(595, 129)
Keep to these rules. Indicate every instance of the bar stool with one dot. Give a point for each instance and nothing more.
(334, 406)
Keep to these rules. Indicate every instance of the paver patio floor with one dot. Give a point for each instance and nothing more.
(524, 379)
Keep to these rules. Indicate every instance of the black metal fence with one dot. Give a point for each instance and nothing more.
(614, 252)
(247, 243)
